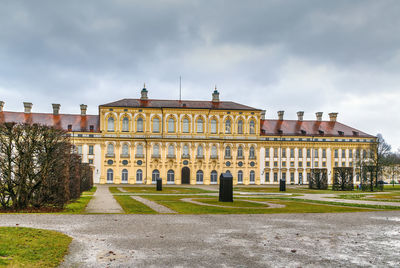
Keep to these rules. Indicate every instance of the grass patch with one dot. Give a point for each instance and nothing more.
(131, 206)
(391, 197)
(77, 206)
(90, 192)
(236, 203)
(27, 247)
(166, 190)
(289, 189)
(292, 206)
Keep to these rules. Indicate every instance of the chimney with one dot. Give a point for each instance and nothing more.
(332, 117)
(1, 106)
(300, 115)
(56, 108)
(263, 112)
(83, 109)
(319, 116)
(28, 107)
(280, 115)
(144, 93)
(215, 95)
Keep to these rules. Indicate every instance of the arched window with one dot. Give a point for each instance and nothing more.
(214, 177)
(185, 125)
(171, 150)
(228, 126)
(110, 175)
(252, 127)
(156, 125)
(170, 176)
(156, 150)
(185, 151)
(240, 127)
(240, 152)
(110, 124)
(200, 125)
(125, 124)
(171, 125)
(228, 172)
(110, 149)
(139, 176)
(213, 126)
(240, 176)
(200, 151)
(155, 175)
(124, 177)
(252, 154)
(228, 152)
(252, 176)
(139, 125)
(214, 153)
(199, 176)
(139, 150)
(125, 149)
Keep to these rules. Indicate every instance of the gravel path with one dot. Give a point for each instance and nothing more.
(330, 198)
(368, 239)
(103, 202)
(153, 205)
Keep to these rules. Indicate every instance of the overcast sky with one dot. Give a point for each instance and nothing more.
(310, 55)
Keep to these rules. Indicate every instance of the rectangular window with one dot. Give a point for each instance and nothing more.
(300, 153)
(316, 164)
(300, 164)
(79, 149)
(308, 164)
(91, 161)
(292, 163)
(343, 153)
(350, 164)
(350, 153)
(343, 164)
(291, 176)
(308, 176)
(275, 163)
(336, 164)
(283, 164)
(324, 164)
(267, 177)
(316, 153)
(308, 153)
(336, 153)
(283, 153)
(91, 149)
(292, 153)
(323, 153)
(267, 163)
(284, 176)
(275, 177)
(275, 152)
(266, 152)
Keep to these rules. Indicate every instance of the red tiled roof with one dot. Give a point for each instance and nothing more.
(309, 128)
(62, 121)
(137, 103)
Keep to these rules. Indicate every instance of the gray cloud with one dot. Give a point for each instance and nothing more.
(294, 55)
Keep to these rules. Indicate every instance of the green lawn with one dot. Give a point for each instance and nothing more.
(77, 206)
(166, 190)
(292, 206)
(390, 197)
(27, 247)
(91, 191)
(132, 206)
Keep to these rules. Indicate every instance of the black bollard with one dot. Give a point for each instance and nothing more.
(282, 185)
(226, 187)
(159, 184)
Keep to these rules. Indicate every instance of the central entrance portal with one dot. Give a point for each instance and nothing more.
(185, 175)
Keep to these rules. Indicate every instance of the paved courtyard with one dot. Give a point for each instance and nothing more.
(270, 240)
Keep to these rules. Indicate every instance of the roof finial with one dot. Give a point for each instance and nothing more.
(215, 87)
(144, 85)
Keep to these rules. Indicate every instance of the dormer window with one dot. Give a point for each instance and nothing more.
(341, 133)
(321, 132)
(355, 133)
(280, 132)
(303, 132)
(69, 128)
(91, 127)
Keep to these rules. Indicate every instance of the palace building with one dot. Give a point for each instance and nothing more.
(136, 141)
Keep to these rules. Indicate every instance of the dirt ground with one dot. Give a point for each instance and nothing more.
(369, 239)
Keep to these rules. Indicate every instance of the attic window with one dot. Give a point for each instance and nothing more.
(280, 131)
(321, 132)
(91, 127)
(184, 105)
(303, 132)
(355, 133)
(341, 133)
(69, 127)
